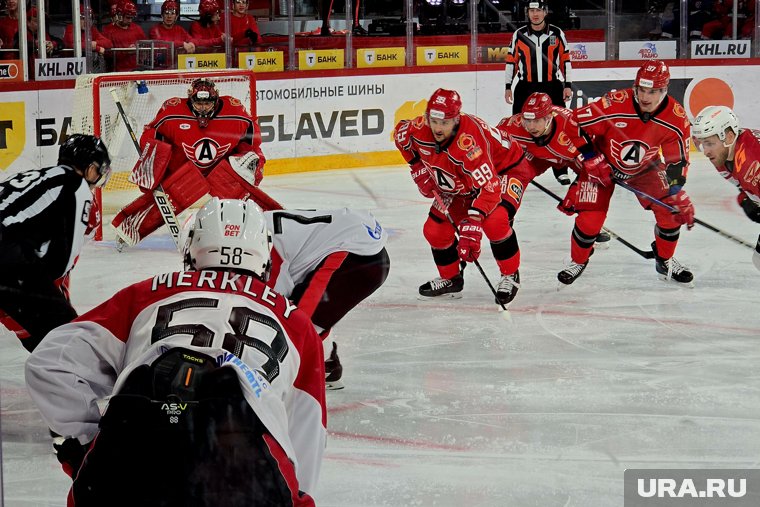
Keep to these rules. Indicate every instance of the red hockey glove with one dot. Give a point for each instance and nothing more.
(424, 181)
(598, 169)
(684, 213)
(470, 234)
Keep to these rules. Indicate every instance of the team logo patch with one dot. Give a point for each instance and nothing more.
(474, 153)
(425, 152)
(631, 155)
(173, 101)
(563, 139)
(465, 142)
(515, 189)
(621, 124)
(184, 126)
(418, 121)
(235, 102)
(618, 95)
(678, 110)
(205, 152)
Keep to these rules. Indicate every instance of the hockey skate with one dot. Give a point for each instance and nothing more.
(507, 288)
(333, 370)
(571, 272)
(443, 287)
(671, 269)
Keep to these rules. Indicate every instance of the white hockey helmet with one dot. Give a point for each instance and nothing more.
(229, 234)
(714, 120)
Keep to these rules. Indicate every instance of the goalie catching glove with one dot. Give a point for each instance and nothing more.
(247, 167)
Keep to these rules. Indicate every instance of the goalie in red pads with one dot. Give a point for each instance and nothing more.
(205, 144)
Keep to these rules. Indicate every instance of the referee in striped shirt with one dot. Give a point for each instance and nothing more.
(45, 215)
(538, 56)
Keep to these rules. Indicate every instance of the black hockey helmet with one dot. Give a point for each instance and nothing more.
(203, 91)
(81, 150)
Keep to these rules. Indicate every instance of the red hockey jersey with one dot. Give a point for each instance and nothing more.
(216, 313)
(745, 173)
(468, 164)
(635, 143)
(206, 36)
(124, 38)
(558, 148)
(231, 132)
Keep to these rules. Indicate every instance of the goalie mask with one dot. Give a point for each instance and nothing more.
(229, 234)
(81, 150)
(203, 99)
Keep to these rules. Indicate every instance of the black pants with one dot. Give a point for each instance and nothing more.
(30, 297)
(355, 279)
(176, 452)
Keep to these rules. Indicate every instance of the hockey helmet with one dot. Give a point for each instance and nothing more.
(537, 106)
(444, 105)
(541, 4)
(229, 234)
(81, 150)
(653, 74)
(85, 12)
(208, 8)
(169, 5)
(714, 120)
(127, 8)
(201, 93)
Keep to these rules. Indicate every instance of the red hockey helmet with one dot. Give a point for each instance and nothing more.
(208, 8)
(537, 106)
(444, 104)
(127, 8)
(204, 99)
(169, 5)
(654, 74)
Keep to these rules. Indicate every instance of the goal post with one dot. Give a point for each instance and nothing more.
(141, 94)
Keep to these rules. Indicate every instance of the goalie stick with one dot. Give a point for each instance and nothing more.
(162, 200)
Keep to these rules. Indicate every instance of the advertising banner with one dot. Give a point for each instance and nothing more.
(318, 59)
(51, 69)
(202, 61)
(11, 70)
(380, 57)
(262, 61)
(720, 48)
(648, 50)
(442, 55)
(586, 51)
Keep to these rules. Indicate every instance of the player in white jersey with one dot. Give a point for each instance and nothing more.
(216, 382)
(327, 262)
(45, 215)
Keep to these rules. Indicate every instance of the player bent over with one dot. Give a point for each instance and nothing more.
(327, 262)
(216, 381)
(717, 133)
(199, 145)
(460, 157)
(550, 136)
(45, 215)
(640, 136)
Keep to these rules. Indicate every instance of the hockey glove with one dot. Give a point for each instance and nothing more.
(247, 166)
(598, 170)
(684, 213)
(470, 234)
(424, 181)
(252, 36)
(750, 207)
(70, 454)
(756, 255)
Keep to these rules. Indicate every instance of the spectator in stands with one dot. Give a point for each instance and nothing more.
(721, 26)
(52, 44)
(123, 33)
(206, 30)
(243, 27)
(700, 13)
(8, 24)
(666, 18)
(168, 29)
(326, 8)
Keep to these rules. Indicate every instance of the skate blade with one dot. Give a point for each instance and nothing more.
(561, 285)
(450, 295)
(334, 385)
(670, 281)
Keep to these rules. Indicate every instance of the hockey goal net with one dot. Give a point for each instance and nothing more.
(141, 95)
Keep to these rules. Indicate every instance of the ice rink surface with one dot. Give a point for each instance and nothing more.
(447, 404)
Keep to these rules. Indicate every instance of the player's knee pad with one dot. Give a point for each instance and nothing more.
(438, 232)
(496, 225)
(225, 183)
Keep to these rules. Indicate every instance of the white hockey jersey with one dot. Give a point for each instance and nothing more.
(216, 313)
(303, 238)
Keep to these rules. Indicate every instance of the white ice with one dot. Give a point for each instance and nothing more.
(447, 404)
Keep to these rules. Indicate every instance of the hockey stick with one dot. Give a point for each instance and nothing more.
(674, 210)
(647, 254)
(445, 210)
(162, 201)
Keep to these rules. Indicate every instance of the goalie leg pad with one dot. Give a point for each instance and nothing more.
(141, 217)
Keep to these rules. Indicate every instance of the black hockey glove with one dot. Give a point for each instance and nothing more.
(70, 454)
(252, 36)
(750, 207)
